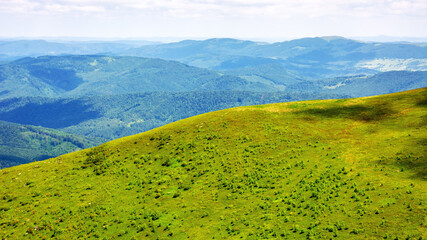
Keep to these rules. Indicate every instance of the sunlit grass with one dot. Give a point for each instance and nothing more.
(345, 169)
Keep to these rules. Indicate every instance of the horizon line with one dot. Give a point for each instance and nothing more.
(166, 39)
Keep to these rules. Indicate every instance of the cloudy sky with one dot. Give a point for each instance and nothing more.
(245, 19)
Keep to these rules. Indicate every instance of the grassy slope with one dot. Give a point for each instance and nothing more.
(350, 168)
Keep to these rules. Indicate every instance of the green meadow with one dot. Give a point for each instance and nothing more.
(324, 169)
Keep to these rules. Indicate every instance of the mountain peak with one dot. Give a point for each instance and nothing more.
(332, 38)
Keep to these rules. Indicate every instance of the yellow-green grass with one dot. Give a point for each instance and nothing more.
(344, 169)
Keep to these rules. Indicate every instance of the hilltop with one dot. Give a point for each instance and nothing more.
(350, 168)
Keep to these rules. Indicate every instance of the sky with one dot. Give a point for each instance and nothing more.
(199, 19)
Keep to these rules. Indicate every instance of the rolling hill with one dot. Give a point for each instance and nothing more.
(21, 144)
(345, 169)
(81, 75)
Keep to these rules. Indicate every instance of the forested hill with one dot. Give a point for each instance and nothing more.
(21, 144)
(331, 169)
(76, 75)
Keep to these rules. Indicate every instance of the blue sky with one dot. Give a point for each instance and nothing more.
(245, 19)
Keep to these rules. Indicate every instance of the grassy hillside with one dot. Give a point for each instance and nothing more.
(21, 144)
(350, 169)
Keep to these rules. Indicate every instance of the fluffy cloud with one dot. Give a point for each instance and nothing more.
(184, 8)
(48, 6)
(213, 18)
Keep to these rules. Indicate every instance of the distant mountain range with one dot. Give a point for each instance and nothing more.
(14, 49)
(307, 57)
(273, 63)
(86, 75)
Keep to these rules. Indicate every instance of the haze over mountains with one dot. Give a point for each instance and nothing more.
(14, 49)
(315, 50)
(66, 85)
(321, 56)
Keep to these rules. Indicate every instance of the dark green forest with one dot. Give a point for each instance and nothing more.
(21, 144)
(129, 114)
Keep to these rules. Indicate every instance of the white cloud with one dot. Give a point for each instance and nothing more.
(48, 6)
(210, 17)
(17, 6)
(272, 8)
(58, 8)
